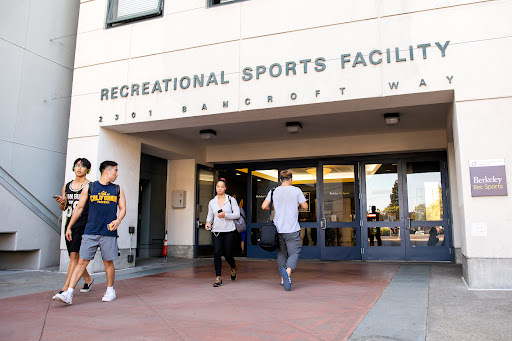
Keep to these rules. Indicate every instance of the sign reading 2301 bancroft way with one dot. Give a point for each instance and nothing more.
(487, 177)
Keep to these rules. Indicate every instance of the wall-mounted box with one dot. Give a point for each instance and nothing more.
(178, 199)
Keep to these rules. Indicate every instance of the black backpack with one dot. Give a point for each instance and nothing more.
(268, 239)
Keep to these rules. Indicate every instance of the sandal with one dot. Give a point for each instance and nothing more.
(234, 271)
(218, 282)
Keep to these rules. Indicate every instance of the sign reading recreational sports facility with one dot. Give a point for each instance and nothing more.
(278, 69)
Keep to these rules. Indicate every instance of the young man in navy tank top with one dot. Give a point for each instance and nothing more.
(101, 228)
(67, 203)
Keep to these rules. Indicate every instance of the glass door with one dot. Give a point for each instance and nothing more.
(383, 221)
(261, 182)
(340, 235)
(305, 178)
(428, 224)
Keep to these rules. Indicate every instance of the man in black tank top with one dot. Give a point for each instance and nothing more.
(104, 198)
(67, 203)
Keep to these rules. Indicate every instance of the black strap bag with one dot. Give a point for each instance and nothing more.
(268, 239)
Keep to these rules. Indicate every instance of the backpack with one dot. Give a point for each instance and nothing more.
(268, 238)
(241, 222)
(118, 189)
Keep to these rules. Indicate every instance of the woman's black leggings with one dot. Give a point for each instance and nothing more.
(223, 245)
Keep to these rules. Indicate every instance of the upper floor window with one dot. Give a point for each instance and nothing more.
(122, 11)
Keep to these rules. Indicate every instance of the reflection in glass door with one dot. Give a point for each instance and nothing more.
(340, 226)
(306, 179)
(262, 181)
(427, 220)
(383, 226)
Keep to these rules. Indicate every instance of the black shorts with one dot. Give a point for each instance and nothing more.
(76, 239)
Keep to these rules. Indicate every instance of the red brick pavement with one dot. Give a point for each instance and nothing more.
(327, 302)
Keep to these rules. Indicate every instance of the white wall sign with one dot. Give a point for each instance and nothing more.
(479, 230)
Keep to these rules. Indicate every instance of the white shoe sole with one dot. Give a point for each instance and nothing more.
(107, 299)
(57, 298)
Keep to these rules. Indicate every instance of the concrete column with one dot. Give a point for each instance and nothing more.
(125, 150)
(180, 222)
(482, 131)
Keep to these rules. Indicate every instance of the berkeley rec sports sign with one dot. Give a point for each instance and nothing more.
(487, 177)
(359, 59)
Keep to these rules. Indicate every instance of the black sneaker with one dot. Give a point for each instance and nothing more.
(218, 282)
(87, 287)
(234, 271)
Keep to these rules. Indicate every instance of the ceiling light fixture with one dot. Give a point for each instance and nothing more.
(392, 119)
(207, 134)
(293, 127)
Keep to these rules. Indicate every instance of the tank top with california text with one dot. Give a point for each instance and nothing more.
(103, 202)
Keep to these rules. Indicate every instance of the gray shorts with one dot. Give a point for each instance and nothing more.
(107, 244)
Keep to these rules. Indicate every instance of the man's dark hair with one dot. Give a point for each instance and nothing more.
(84, 162)
(106, 164)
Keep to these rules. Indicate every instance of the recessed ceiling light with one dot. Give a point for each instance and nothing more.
(392, 119)
(293, 127)
(207, 134)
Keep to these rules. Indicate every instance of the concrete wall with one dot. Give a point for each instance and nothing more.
(37, 48)
(486, 258)
(33, 243)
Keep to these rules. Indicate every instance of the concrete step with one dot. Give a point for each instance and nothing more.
(21, 259)
(8, 241)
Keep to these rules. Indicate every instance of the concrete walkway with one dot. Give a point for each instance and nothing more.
(174, 300)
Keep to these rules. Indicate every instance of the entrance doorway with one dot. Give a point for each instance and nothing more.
(152, 203)
(405, 216)
(236, 182)
(368, 208)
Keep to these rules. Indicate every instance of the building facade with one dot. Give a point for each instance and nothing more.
(37, 50)
(393, 116)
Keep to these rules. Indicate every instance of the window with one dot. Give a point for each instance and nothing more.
(221, 2)
(122, 11)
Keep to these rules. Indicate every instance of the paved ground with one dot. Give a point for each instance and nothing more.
(174, 300)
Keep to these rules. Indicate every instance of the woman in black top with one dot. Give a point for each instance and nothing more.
(67, 203)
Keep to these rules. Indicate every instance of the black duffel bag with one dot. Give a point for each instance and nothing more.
(267, 238)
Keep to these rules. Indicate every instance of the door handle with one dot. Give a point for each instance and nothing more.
(408, 228)
(323, 224)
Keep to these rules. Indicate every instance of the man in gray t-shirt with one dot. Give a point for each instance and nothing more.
(287, 199)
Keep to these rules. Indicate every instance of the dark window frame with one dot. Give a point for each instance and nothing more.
(211, 3)
(135, 17)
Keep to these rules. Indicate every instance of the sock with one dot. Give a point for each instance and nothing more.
(110, 289)
(71, 290)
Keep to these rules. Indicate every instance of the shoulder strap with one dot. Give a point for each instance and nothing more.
(91, 184)
(271, 203)
(118, 190)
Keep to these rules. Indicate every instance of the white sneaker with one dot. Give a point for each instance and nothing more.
(65, 297)
(109, 296)
(54, 296)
